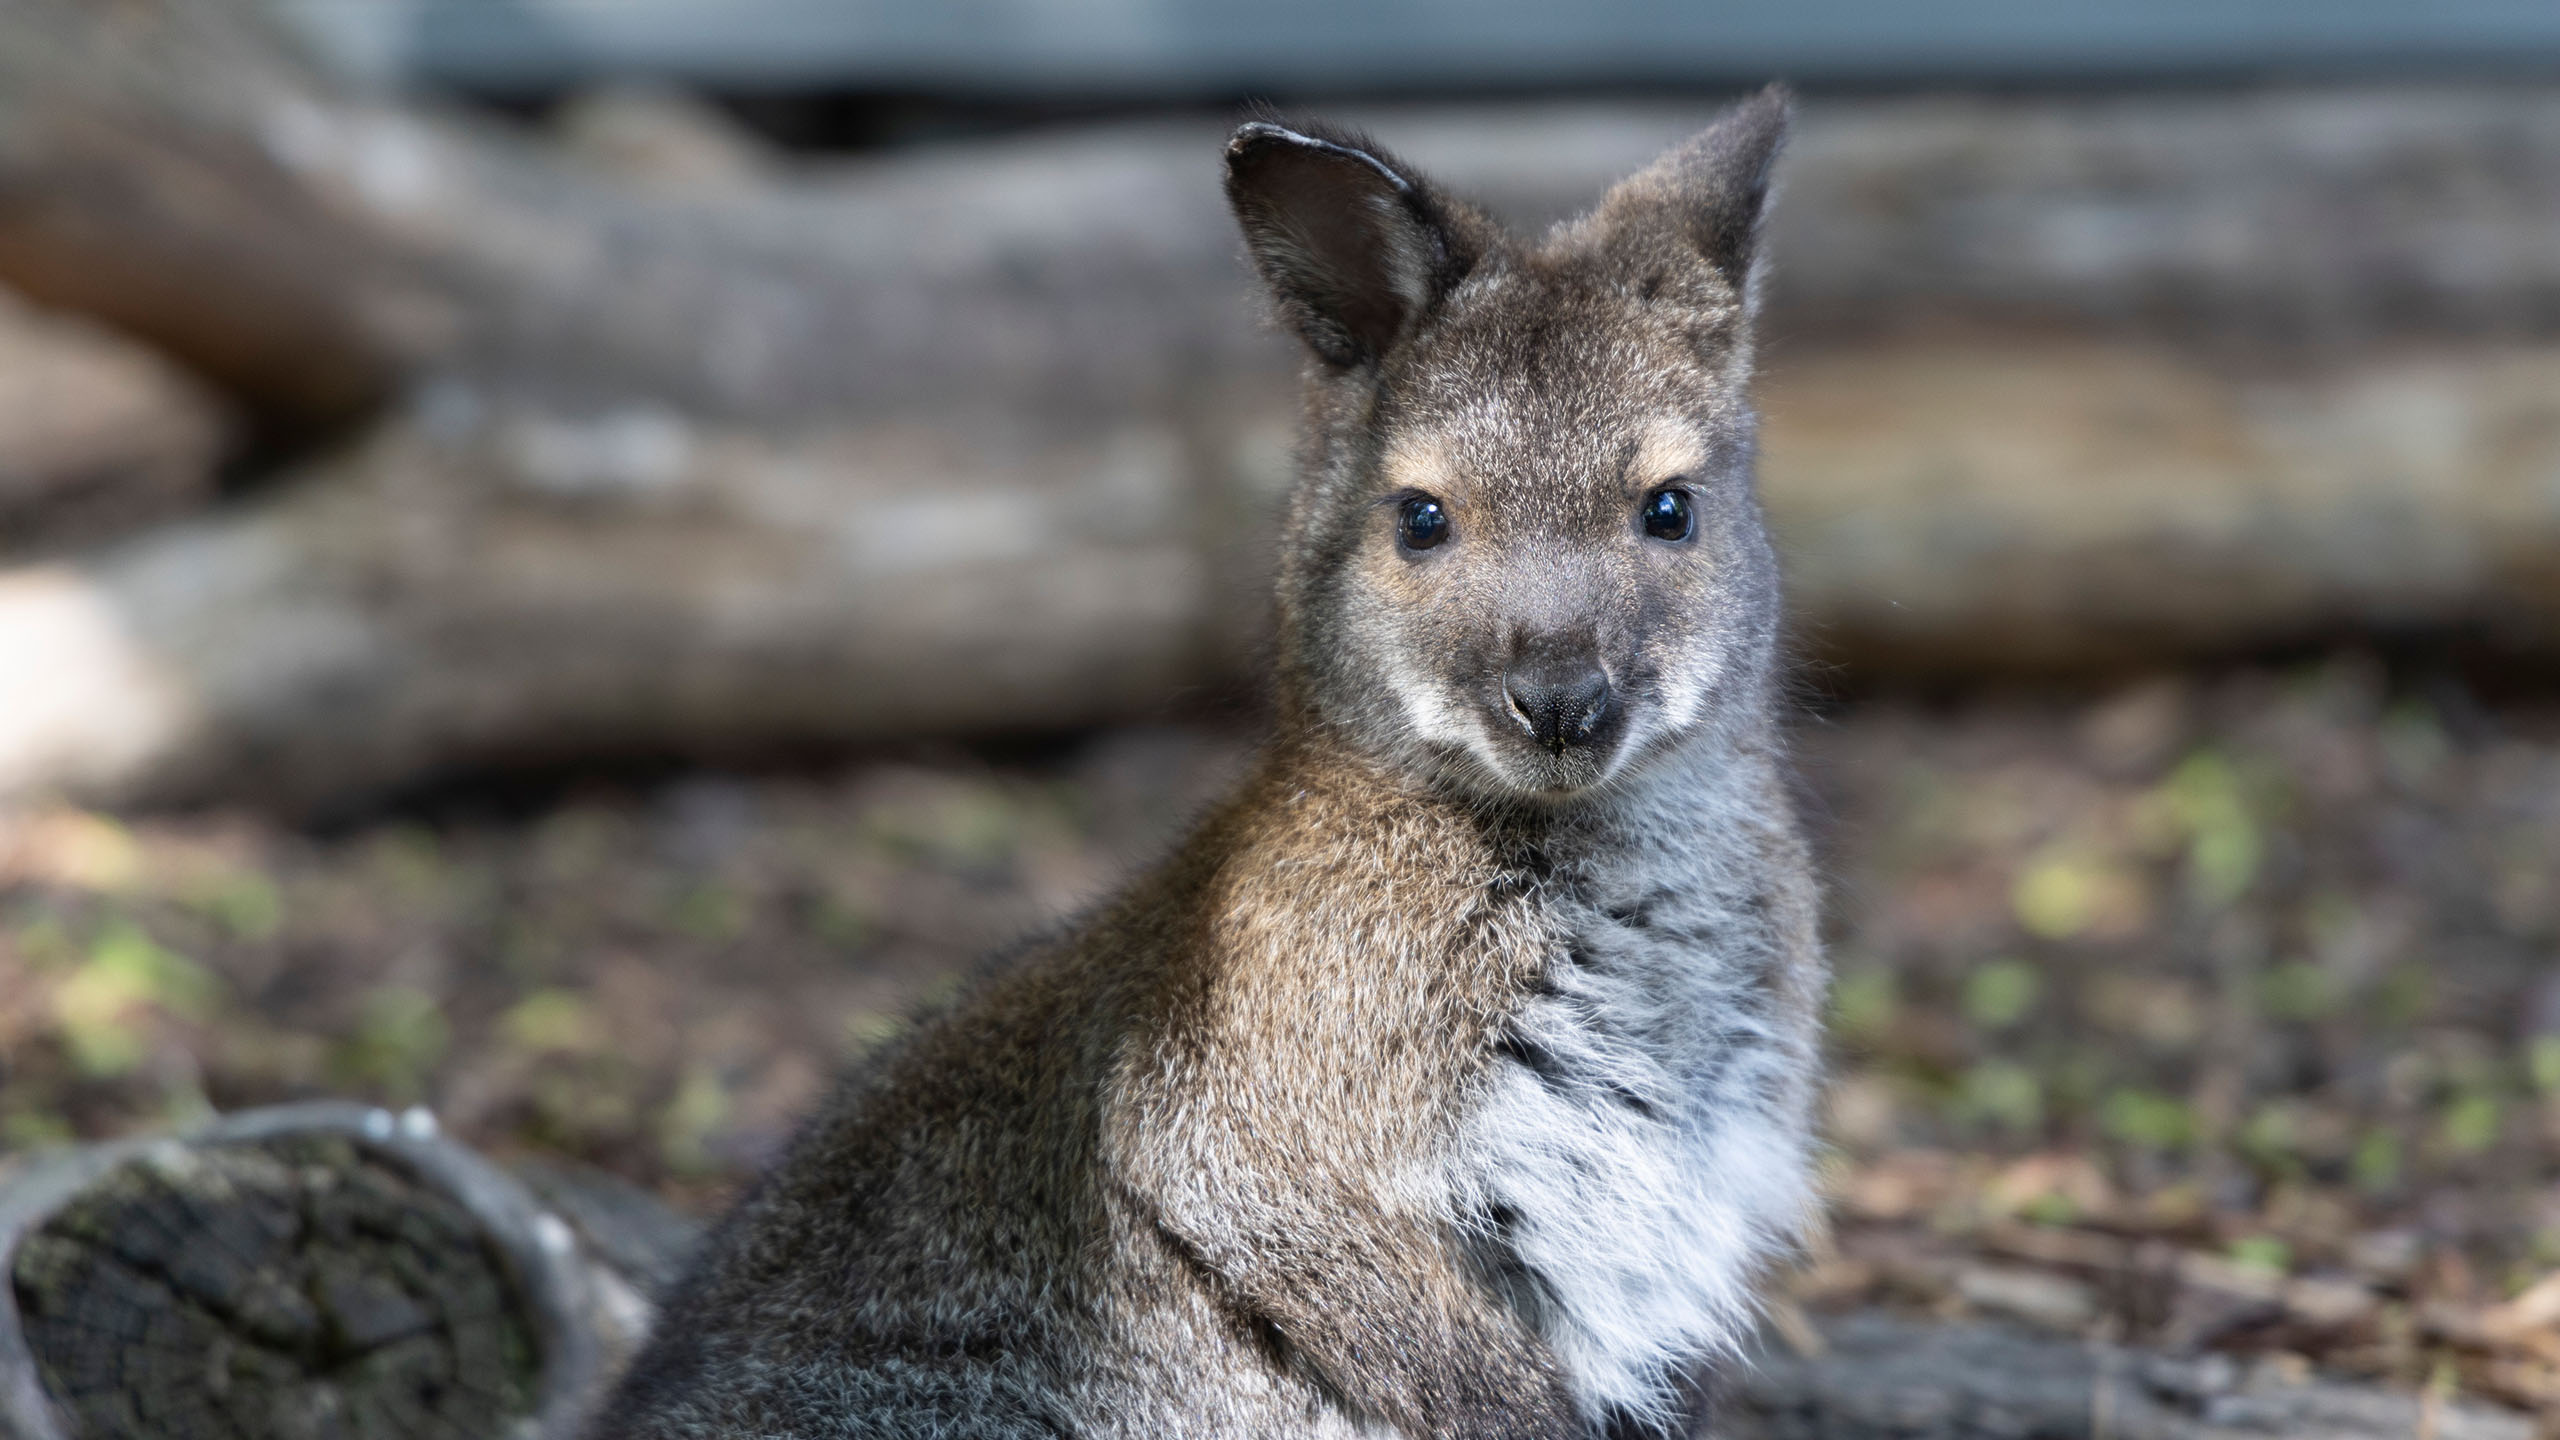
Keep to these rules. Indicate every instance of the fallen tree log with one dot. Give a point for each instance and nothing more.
(169, 168)
(637, 588)
(2080, 507)
(989, 439)
(162, 158)
(97, 435)
(528, 590)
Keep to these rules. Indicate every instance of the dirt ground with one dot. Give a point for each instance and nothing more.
(2215, 1012)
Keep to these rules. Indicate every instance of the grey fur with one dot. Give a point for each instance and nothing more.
(1453, 1078)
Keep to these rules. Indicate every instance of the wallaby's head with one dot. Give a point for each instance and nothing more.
(1526, 556)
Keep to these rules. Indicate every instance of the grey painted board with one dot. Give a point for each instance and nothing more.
(1216, 47)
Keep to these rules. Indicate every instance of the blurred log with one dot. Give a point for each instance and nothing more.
(530, 591)
(2078, 508)
(485, 589)
(139, 183)
(172, 169)
(897, 447)
(97, 435)
(738, 454)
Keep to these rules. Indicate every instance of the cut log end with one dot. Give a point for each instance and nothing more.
(295, 1287)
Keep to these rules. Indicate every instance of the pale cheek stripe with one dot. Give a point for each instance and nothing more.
(1433, 717)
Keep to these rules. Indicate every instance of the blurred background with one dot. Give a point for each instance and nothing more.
(568, 560)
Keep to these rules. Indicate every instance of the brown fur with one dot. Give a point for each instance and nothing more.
(1188, 1169)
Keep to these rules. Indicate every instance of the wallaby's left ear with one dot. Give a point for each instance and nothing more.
(1357, 250)
(1686, 229)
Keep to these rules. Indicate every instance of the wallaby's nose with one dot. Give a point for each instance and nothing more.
(1559, 700)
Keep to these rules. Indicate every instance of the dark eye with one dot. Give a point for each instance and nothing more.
(1422, 524)
(1666, 514)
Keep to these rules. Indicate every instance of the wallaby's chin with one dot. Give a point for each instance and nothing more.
(1548, 778)
(1511, 766)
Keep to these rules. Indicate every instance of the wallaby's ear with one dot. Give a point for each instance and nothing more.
(1696, 212)
(1357, 250)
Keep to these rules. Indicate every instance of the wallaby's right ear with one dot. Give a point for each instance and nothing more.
(1684, 233)
(1357, 250)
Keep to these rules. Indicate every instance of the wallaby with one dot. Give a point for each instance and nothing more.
(1453, 1077)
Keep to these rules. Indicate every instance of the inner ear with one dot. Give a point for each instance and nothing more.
(1355, 249)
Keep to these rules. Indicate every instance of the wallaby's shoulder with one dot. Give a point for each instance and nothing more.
(1331, 921)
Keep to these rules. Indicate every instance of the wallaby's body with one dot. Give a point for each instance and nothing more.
(1452, 1079)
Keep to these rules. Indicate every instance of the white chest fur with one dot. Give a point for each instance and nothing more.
(1640, 1149)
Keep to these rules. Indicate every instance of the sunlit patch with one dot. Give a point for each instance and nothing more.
(81, 701)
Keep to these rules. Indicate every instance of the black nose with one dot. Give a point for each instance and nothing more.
(1559, 701)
